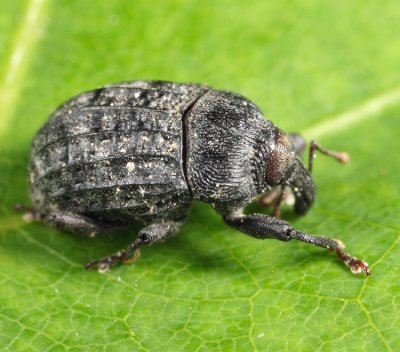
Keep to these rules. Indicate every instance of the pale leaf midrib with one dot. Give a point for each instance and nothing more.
(370, 108)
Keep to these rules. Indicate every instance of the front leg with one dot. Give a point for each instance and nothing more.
(265, 227)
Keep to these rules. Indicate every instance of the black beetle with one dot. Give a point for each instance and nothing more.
(143, 150)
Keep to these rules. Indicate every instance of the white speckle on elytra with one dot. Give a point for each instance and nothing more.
(141, 191)
(173, 147)
(130, 166)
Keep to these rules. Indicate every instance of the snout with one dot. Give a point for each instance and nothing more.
(304, 200)
(303, 188)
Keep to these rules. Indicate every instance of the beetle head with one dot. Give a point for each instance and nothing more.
(285, 168)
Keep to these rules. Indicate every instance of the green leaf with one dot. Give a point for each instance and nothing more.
(328, 69)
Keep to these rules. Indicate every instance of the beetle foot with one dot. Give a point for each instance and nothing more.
(356, 266)
(104, 264)
(133, 258)
(30, 214)
(275, 198)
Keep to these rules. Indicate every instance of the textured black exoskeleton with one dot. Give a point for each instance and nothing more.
(144, 150)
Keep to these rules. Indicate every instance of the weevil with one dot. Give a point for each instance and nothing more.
(143, 150)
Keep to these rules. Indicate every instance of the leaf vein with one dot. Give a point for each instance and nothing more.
(371, 108)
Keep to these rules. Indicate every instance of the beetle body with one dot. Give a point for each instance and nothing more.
(143, 150)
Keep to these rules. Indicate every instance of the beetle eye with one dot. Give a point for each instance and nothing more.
(280, 159)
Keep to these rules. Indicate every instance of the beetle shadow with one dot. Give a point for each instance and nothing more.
(39, 243)
(186, 247)
(60, 249)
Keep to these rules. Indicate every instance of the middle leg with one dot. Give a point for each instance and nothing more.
(154, 233)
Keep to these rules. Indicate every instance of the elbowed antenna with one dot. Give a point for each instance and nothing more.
(341, 157)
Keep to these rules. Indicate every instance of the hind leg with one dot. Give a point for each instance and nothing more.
(68, 221)
(154, 233)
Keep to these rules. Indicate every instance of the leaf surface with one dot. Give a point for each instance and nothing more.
(329, 70)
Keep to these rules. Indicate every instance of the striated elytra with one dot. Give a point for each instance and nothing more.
(143, 150)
